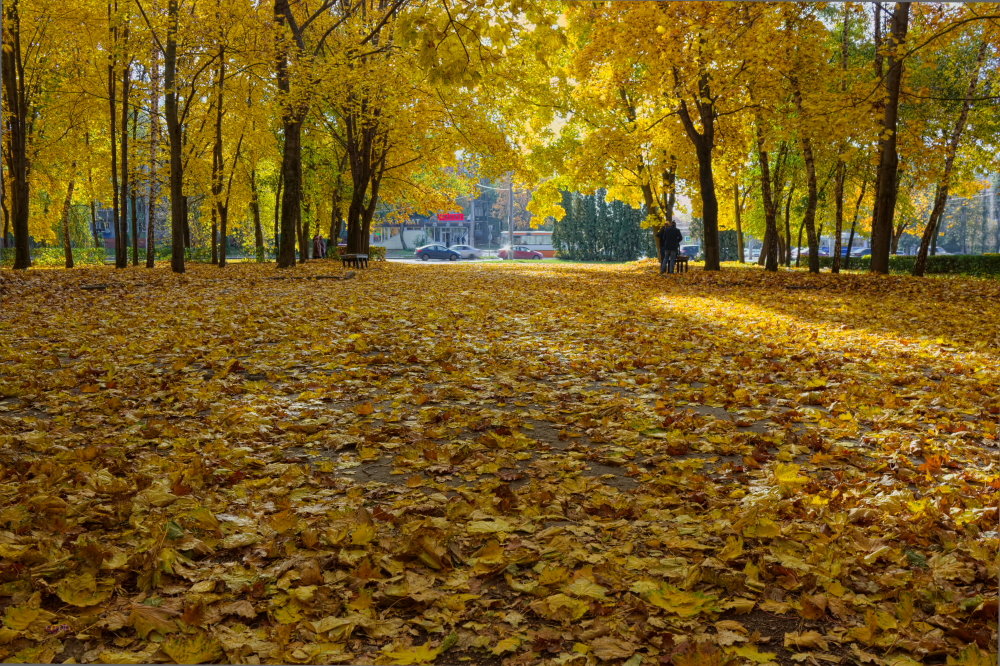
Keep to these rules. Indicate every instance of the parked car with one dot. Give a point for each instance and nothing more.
(692, 251)
(436, 251)
(520, 252)
(467, 251)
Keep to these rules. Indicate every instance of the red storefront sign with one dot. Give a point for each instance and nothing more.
(451, 217)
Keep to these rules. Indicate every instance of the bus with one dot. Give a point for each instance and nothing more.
(540, 241)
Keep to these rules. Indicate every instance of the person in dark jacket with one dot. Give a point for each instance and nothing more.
(670, 246)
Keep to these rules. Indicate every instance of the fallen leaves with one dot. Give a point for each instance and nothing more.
(223, 467)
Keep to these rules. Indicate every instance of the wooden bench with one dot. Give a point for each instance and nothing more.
(354, 260)
(681, 264)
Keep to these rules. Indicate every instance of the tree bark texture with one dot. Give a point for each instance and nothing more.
(67, 205)
(154, 146)
(887, 189)
(17, 107)
(703, 142)
(177, 201)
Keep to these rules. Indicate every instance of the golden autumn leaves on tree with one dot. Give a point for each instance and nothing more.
(312, 113)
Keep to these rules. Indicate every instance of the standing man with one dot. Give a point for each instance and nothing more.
(670, 246)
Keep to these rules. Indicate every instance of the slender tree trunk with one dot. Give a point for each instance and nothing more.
(134, 196)
(813, 195)
(854, 223)
(177, 200)
(67, 205)
(788, 225)
(215, 235)
(16, 105)
(122, 260)
(336, 220)
(739, 223)
(704, 142)
(841, 174)
(798, 245)
(218, 256)
(277, 213)
(154, 145)
(93, 223)
(769, 255)
(258, 230)
(113, 122)
(897, 234)
(886, 188)
(941, 190)
(810, 216)
(839, 214)
(4, 208)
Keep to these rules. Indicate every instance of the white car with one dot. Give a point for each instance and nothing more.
(467, 251)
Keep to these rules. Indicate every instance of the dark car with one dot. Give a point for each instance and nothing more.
(436, 251)
(520, 252)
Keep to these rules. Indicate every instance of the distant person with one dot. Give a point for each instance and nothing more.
(317, 247)
(322, 247)
(670, 245)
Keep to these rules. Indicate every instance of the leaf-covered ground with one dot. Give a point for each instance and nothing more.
(498, 464)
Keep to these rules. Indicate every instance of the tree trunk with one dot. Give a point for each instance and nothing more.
(887, 189)
(277, 214)
(812, 193)
(337, 220)
(258, 230)
(798, 245)
(897, 234)
(941, 191)
(302, 230)
(291, 199)
(121, 261)
(739, 224)
(133, 194)
(854, 223)
(788, 226)
(703, 142)
(16, 104)
(177, 201)
(809, 220)
(67, 204)
(154, 144)
(841, 165)
(215, 234)
(291, 157)
(769, 252)
(4, 209)
(218, 255)
(838, 225)
(113, 126)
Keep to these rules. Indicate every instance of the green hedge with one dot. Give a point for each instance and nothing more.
(56, 256)
(981, 265)
(376, 253)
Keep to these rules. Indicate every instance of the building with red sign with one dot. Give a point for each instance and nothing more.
(446, 228)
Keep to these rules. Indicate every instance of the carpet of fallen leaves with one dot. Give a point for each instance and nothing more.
(498, 464)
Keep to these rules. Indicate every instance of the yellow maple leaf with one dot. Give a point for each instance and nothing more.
(417, 654)
(84, 589)
(753, 654)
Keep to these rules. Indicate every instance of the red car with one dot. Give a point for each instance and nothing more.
(520, 252)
